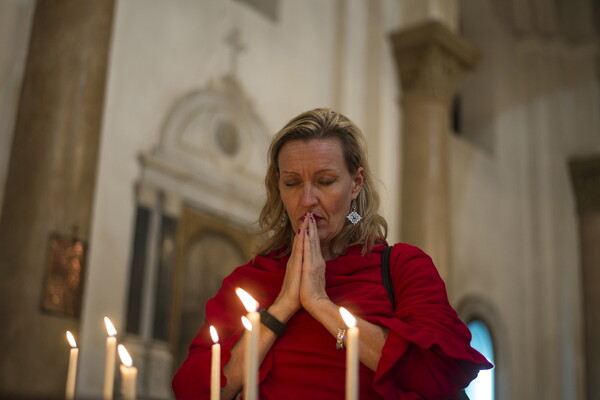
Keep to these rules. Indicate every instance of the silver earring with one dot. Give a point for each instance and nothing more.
(283, 219)
(354, 217)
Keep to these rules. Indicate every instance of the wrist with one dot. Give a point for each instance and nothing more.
(272, 323)
(318, 305)
(281, 312)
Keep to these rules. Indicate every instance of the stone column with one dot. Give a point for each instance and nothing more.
(429, 60)
(50, 185)
(585, 174)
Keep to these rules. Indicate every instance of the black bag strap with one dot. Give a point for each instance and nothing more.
(386, 276)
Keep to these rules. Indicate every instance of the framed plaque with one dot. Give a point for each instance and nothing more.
(64, 280)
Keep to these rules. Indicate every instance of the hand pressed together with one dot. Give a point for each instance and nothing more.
(304, 281)
(312, 285)
(304, 286)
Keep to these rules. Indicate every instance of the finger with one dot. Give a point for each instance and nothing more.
(308, 239)
(312, 233)
(315, 246)
(299, 240)
(302, 229)
(311, 249)
(297, 248)
(316, 243)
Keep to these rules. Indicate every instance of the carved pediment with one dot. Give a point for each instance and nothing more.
(213, 143)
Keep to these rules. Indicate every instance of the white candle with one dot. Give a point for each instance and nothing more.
(252, 324)
(215, 368)
(109, 363)
(351, 355)
(72, 372)
(128, 375)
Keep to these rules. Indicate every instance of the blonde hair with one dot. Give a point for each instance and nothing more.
(322, 123)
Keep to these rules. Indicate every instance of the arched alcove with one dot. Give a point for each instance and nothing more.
(210, 256)
(483, 387)
(481, 311)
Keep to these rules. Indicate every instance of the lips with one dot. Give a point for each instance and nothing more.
(315, 217)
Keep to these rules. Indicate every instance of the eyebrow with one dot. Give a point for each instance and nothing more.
(317, 172)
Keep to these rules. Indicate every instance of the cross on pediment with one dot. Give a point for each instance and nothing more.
(233, 40)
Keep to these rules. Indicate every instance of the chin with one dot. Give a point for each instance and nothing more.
(323, 239)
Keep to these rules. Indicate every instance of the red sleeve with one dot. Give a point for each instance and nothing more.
(427, 352)
(192, 380)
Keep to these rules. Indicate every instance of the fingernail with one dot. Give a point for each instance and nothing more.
(298, 230)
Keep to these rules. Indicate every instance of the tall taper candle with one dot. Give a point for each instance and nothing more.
(128, 375)
(251, 362)
(215, 367)
(351, 355)
(109, 362)
(72, 372)
(253, 326)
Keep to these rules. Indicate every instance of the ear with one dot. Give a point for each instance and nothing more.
(357, 182)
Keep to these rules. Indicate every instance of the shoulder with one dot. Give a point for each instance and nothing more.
(406, 252)
(409, 264)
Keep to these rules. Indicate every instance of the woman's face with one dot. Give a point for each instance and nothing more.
(313, 177)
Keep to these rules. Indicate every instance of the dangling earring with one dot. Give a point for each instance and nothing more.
(354, 217)
(283, 220)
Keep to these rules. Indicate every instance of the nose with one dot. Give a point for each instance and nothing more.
(308, 200)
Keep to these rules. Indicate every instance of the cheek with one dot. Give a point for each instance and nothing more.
(342, 205)
(287, 202)
(338, 212)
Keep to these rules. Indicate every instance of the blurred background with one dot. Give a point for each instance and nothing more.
(133, 139)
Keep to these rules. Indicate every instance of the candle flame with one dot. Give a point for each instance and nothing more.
(247, 323)
(110, 328)
(348, 318)
(248, 301)
(71, 340)
(214, 335)
(124, 356)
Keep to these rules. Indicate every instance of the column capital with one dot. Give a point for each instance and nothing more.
(430, 58)
(585, 174)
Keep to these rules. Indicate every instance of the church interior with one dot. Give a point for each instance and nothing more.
(133, 136)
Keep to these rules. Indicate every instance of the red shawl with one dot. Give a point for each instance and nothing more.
(426, 355)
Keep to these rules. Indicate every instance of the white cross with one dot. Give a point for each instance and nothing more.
(237, 47)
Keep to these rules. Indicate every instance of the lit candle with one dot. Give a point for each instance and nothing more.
(128, 375)
(351, 355)
(215, 368)
(109, 364)
(72, 372)
(252, 324)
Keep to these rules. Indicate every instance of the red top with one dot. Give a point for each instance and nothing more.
(426, 355)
